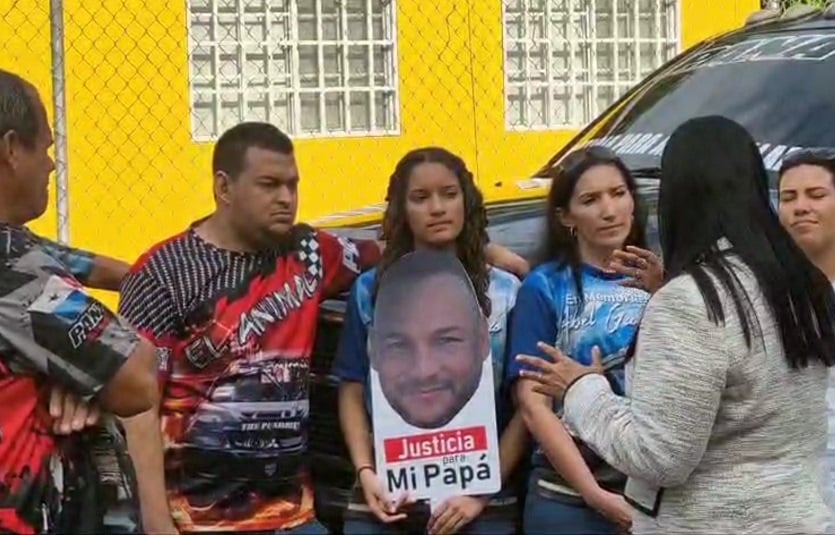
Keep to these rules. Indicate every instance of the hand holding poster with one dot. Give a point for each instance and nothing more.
(432, 381)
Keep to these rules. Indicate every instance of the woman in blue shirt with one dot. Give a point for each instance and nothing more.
(433, 202)
(575, 300)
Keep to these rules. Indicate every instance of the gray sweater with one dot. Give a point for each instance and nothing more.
(733, 436)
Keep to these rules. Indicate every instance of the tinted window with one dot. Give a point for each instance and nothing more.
(778, 84)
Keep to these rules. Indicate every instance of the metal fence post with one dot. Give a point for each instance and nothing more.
(56, 27)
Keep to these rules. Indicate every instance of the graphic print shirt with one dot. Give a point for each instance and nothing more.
(352, 360)
(235, 333)
(51, 332)
(548, 309)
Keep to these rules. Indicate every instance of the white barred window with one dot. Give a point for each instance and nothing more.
(314, 68)
(566, 61)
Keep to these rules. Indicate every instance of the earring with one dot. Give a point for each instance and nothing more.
(572, 231)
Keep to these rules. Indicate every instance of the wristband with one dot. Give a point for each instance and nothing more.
(574, 382)
(362, 468)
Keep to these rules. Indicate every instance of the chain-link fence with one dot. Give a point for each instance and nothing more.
(138, 91)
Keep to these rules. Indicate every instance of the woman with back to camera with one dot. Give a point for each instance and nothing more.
(725, 424)
(574, 300)
(433, 202)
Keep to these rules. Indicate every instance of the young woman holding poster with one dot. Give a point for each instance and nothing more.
(433, 202)
(575, 300)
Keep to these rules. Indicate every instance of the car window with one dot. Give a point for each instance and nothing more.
(776, 83)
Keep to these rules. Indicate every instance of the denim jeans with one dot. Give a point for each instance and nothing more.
(546, 513)
(119, 520)
(485, 524)
(314, 527)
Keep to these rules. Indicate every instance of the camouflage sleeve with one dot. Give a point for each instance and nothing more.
(78, 262)
(56, 328)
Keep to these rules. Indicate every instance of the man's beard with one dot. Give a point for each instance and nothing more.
(461, 395)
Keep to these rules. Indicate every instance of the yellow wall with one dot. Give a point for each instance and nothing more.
(137, 177)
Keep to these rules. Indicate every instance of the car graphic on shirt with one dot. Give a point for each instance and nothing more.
(253, 415)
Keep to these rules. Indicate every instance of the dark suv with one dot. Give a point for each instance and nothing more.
(775, 76)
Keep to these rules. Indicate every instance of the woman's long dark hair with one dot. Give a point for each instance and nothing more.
(470, 244)
(559, 244)
(714, 185)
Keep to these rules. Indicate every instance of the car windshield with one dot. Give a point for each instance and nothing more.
(778, 84)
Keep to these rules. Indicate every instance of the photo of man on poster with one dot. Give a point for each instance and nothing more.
(430, 339)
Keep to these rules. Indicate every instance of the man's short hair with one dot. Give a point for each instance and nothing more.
(230, 149)
(18, 110)
(405, 278)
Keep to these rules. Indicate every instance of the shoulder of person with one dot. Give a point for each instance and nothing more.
(15, 241)
(549, 277)
(502, 291)
(168, 251)
(365, 281)
(504, 279)
(679, 294)
(362, 295)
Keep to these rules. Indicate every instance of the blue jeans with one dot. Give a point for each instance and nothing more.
(119, 520)
(314, 527)
(485, 524)
(546, 513)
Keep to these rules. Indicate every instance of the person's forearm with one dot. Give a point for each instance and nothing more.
(513, 444)
(145, 446)
(107, 273)
(354, 423)
(559, 448)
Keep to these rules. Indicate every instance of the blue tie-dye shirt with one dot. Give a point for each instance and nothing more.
(548, 309)
(352, 361)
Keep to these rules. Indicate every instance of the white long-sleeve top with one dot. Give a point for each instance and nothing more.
(732, 435)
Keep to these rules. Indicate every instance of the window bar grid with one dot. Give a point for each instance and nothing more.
(369, 29)
(320, 64)
(193, 93)
(243, 79)
(390, 26)
(591, 24)
(346, 66)
(269, 49)
(217, 108)
(673, 24)
(582, 39)
(550, 105)
(525, 109)
(616, 49)
(660, 36)
(572, 72)
(636, 13)
(295, 71)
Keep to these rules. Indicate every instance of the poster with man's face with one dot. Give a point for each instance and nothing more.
(431, 381)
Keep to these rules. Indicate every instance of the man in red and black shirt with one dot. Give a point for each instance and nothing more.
(232, 303)
(52, 332)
